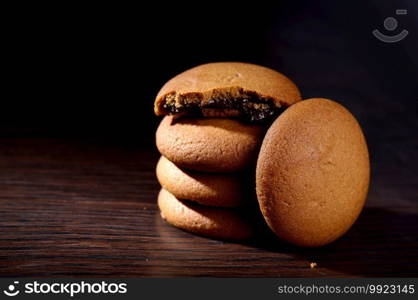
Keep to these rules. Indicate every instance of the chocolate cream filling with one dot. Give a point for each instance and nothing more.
(246, 106)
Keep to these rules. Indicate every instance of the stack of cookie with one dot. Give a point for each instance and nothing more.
(203, 189)
(216, 117)
(227, 129)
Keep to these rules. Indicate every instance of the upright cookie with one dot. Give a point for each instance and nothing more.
(312, 173)
(227, 89)
(209, 144)
(220, 223)
(223, 190)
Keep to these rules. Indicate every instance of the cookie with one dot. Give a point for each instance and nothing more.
(223, 190)
(227, 89)
(312, 173)
(209, 144)
(219, 223)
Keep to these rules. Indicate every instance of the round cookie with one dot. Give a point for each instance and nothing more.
(226, 89)
(209, 144)
(312, 173)
(221, 190)
(220, 223)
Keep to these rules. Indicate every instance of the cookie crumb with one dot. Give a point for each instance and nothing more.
(313, 265)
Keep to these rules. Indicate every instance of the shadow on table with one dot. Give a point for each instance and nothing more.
(383, 242)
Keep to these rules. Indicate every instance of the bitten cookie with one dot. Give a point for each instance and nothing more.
(209, 144)
(220, 223)
(227, 89)
(221, 190)
(312, 173)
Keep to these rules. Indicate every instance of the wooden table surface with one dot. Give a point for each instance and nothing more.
(71, 207)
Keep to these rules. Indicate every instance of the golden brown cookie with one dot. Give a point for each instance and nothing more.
(226, 89)
(220, 223)
(312, 173)
(209, 144)
(211, 189)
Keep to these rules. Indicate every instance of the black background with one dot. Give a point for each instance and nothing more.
(77, 71)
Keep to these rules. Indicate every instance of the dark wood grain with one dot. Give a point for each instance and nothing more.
(87, 208)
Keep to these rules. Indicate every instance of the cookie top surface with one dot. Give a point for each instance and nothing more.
(209, 144)
(220, 223)
(312, 173)
(226, 89)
